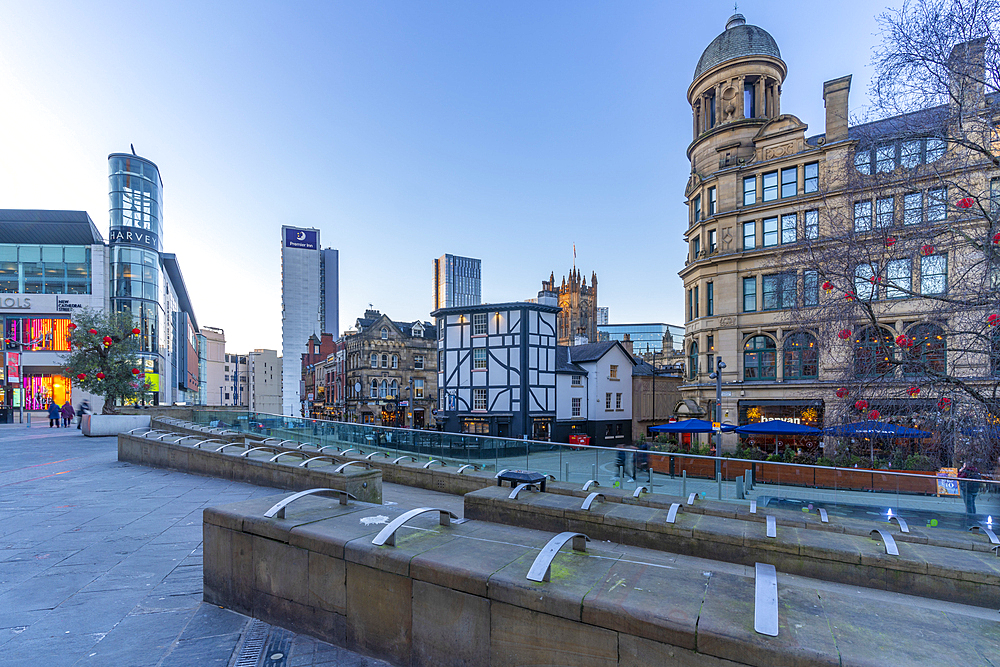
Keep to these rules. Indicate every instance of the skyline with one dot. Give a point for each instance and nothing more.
(392, 129)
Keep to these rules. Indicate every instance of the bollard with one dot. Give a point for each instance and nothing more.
(671, 466)
(718, 481)
(739, 488)
(593, 471)
(567, 472)
(28, 424)
(684, 482)
(749, 480)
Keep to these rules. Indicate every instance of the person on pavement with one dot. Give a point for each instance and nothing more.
(84, 409)
(67, 414)
(968, 475)
(54, 414)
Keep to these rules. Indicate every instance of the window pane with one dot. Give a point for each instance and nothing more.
(937, 204)
(749, 235)
(712, 200)
(933, 274)
(789, 182)
(770, 232)
(749, 190)
(913, 205)
(811, 183)
(771, 186)
(863, 162)
(810, 288)
(884, 209)
(935, 149)
(910, 153)
(885, 158)
(812, 224)
(864, 286)
(788, 228)
(749, 295)
(898, 278)
(863, 216)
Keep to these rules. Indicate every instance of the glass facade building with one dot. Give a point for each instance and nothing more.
(44, 269)
(457, 282)
(136, 212)
(645, 337)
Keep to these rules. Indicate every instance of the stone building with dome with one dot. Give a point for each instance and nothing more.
(766, 198)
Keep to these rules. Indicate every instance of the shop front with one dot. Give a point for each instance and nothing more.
(809, 413)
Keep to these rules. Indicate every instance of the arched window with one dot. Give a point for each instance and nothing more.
(385, 361)
(385, 333)
(383, 389)
(760, 358)
(374, 390)
(394, 389)
(873, 352)
(801, 356)
(395, 361)
(692, 361)
(929, 353)
(374, 360)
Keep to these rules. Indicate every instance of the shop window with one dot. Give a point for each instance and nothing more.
(759, 358)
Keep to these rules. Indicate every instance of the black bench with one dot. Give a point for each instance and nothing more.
(516, 477)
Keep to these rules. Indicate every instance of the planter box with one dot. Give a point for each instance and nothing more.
(101, 425)
(926, 484)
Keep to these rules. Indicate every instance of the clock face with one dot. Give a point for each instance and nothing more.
(357, 387)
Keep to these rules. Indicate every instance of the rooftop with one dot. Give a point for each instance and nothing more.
(738, 40)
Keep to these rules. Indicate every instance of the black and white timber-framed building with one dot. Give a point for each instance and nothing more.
(496, 369)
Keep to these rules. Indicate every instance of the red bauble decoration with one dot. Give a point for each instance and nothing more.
(80, 376)
(927, 250)
(913, 391)
(136, 332)
(993, 320)
(828, 286)
(861, 405)
(903, 341)
(844, 334)
(996, 237)
(874, 415)
(100, 376)
(93, 331)
(944, 403)
(850, 296)
(965, 202)
(70, 326)
(842, 392)
(889, 242)
(135, 371)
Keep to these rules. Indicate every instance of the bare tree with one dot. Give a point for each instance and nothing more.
(906, 270)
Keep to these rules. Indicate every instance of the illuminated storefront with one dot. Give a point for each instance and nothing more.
(809, 413)
(39, 390)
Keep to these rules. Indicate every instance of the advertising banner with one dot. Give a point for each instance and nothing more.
(13, 375)
(947, 482)
(305, 239)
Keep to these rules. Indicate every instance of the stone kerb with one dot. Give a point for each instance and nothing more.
(365, 484)
(954, 574)
(458, 595)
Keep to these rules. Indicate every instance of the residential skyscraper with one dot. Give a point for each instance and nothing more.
(456, 282)
(310, 304)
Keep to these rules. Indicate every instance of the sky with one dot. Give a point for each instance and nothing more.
(506, 131)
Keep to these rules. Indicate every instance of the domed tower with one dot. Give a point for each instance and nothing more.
(736, 90)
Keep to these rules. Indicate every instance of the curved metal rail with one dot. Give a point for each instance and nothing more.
(541, 569)
(305, 464)
(257, 449)
(404, 456)
(198, 444)
(753, 507)
(518, 489)
(388, 534)
(672, 514)
(305, 444)
(823, 516)
(284, 441)
(369, 456)
(341, 467)
(230, 444)
(433, 461)
(772, 526)
(903, 528)
(988, 532)
(691, 497)
(765, 608)
(639, 490)
(350, 449)
(497, 476)
(589, 483)
(278, 509)
(291, 453)
(589, 500)
(137, 428)
(465, 467)
(890, 544)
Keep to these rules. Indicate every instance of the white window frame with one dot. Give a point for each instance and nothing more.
(576, 380)
(374, 359)
(618, 401)
(418, 387)
(480, 358)
(480, 400)
(575, 402)
(607, 401)
(418, 362)
(479, 324)
(613, 371)
(385, 333)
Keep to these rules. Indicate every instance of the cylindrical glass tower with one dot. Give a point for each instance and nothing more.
(136, 227)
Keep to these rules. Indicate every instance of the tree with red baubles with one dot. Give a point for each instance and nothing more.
(104, 352)
(844, 334)
(842, 392)
(913, 391)
(861, 405)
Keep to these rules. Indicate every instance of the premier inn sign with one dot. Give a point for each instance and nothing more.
(135, 237)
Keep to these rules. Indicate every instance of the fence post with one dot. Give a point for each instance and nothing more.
(718, 481)
(684, 482)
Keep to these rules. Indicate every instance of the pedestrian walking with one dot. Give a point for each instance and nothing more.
(84, 409)
(54, 414)
(68, 413)
(968, 484)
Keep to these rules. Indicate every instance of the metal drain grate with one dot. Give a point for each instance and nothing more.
(253, 644)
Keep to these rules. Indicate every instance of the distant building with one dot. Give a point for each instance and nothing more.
(577, 321)
(309, 303)
(602, 315)
(457, 282)
(655, 394)
(318, 349)
(594, 393)
(264, 375)
(388, 364)
(647, 337)
(496, 369)
(214, 353)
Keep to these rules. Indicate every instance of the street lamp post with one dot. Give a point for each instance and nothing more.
(717, 376)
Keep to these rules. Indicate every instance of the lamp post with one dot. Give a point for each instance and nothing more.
(717, 376)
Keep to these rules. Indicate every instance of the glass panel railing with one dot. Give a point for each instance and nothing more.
(924, 499)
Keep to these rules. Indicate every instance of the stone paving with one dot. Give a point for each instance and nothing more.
(101, 561)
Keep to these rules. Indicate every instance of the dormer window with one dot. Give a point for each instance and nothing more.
(385, 333)
(418, 331)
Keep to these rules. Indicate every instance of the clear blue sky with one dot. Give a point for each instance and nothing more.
(506, 131)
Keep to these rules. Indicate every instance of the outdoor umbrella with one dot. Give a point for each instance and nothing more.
(777, 427)
(686, 426)
(871, 429)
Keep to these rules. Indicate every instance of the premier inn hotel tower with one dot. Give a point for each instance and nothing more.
(310, 304)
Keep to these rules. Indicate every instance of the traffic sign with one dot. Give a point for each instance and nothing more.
(403, 404)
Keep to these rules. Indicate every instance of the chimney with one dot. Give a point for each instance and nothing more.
(967, 71)
(835, 98)
(627, 343)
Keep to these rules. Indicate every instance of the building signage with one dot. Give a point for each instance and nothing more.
(15, 302)
(301, 238)
(13, 375)
(64, 306)
(135, 237)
